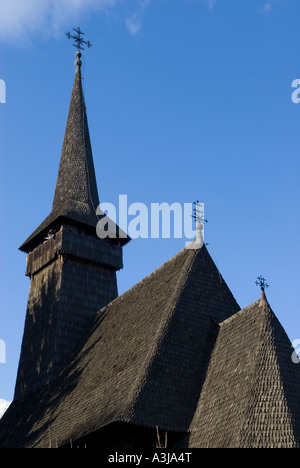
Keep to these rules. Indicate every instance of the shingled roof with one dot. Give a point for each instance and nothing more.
(251, 395)
(176, 352)
(76, 194)
(143, 360)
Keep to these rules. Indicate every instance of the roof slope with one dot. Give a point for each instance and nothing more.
(251, 394)
(143, 360)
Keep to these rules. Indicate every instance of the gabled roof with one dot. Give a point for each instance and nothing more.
(76, 194)
(143, 360)
(251, 395)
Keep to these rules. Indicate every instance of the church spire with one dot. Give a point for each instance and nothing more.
(76, 186)
(76, 195)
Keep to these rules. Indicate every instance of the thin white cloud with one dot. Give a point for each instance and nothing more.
(211, 4)
(133, 25)
(267, 7)
(133, 21)
(3, 406)
(20, 19)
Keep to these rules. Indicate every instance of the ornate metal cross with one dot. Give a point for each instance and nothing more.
(198, 212)
(198, 215)
(78, 39)
(262, 282)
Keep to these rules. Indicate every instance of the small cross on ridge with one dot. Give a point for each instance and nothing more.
(262, 282)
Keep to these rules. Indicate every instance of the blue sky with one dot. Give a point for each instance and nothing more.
(186, 100)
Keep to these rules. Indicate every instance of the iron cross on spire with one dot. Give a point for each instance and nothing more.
(262, 282)
(198, 216)
(198, 213)
(79, 42)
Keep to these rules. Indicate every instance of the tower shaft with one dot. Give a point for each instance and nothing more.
(72, 277)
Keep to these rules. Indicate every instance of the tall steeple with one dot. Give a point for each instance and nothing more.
(76, 188)
(72, 271)
(76, 194)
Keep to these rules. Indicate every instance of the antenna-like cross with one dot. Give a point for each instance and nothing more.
(78, 39)
(262, 282)
(198, 216)
(199, 213)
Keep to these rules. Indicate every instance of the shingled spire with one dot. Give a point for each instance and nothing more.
(76, 194)
(76, 187)
(72, 271)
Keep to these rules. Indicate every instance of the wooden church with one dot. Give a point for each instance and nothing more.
(173, 355)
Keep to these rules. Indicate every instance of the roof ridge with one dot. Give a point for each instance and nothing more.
(250, 362)
(187, 277)
(256, 362)
(163, 327)
(267, 327)
(145, 279)
(241, 312)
